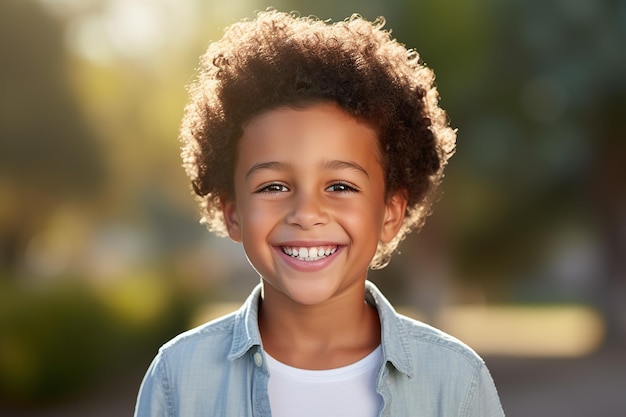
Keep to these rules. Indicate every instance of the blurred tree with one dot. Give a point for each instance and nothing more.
(47, 152)
(555, 96)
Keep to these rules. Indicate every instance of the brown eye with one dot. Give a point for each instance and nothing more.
(272, 188)
(341, 188)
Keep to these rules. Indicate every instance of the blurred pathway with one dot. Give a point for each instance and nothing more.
(593, 386)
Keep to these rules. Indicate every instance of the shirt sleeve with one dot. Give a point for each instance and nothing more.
(485, 401)
(154, 399)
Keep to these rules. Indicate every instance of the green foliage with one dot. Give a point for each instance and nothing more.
(58, 341)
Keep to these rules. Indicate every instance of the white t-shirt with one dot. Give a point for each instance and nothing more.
(342, 392)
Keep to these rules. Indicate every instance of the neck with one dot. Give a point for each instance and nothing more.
(333, 334)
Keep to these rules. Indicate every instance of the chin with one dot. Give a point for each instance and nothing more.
(308, 293)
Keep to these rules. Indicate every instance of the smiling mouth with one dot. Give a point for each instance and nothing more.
(309, 254)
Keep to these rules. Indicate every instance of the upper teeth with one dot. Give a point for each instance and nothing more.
(309, 254)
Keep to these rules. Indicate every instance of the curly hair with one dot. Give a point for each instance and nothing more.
(281, 59)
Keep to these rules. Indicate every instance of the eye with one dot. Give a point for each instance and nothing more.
(341, 187)
(272, 188)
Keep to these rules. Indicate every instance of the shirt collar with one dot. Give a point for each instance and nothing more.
(394, 338)
(393, 331)
(246, 329)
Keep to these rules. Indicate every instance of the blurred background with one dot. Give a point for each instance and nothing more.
(102, 258)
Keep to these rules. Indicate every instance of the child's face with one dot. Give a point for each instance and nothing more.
(310, 203)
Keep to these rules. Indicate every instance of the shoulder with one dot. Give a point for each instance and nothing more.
(428, 339)
(212, 339)
(216, 328)
(441, 366)
(227, 337)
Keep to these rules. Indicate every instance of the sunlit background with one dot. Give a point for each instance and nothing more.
(102, 258)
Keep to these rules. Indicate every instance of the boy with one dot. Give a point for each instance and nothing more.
(319, 147)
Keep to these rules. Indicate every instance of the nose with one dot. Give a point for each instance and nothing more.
(307, 211)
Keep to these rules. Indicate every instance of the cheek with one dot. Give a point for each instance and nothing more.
(363, 218)
(260, 220)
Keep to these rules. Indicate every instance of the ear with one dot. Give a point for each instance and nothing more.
(395, 209)
(231, 218)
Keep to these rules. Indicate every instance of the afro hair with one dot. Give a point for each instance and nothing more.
(281, 59)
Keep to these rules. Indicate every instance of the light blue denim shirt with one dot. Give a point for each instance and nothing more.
(219, 369)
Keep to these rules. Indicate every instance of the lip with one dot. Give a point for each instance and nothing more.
(307, 266)
(307, 243)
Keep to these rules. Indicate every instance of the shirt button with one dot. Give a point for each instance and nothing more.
(258, 359)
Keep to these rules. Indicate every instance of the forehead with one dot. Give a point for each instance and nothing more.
(320, 130)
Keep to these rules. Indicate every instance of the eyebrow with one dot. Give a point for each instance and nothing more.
(338, 164)
(333, 165)
(274, 165)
